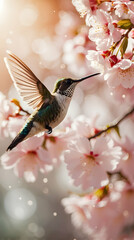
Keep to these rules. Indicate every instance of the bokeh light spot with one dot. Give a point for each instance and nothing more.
(17, 209)
(28, 15)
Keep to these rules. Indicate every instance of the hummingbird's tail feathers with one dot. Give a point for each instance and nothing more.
(19, 138)
(21, 135)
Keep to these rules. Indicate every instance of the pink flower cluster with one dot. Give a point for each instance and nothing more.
(107, 213)
(105, 163)
(89, 162)
(111, 29)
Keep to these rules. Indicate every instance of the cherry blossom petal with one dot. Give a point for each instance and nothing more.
(121, 73)
(44, 156)
(8, 160)
(29, 144)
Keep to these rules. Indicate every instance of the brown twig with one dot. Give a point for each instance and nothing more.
(114, 125)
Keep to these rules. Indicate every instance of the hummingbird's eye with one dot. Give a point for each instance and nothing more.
(68, 81)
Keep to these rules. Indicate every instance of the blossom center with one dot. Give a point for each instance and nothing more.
(91, 155)
(89, 161)
(32, 153)
(102, 28)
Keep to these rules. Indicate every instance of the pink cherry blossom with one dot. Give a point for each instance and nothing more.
(89, 7)
(121, 9)
(81, 126)
(56, 144)
(105, 6)
(103, 32)
(96, 60)
(27, 158)
(124, 10)
(76, 206)
(82, 6)
(96, 213)
(88, 162)
(114, 211)
(121, 73)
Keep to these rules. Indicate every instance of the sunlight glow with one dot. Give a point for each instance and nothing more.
(1, 5)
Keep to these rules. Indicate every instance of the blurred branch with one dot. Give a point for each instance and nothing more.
(114, 125)
(17, 103)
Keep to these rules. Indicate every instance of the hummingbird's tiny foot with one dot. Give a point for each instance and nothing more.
(49, 129)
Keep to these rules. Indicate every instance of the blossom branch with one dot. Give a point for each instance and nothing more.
(25, 111)
(114, 125)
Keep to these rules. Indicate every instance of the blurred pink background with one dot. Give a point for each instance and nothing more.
(20, 23)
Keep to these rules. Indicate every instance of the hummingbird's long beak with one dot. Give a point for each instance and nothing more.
(80, 80)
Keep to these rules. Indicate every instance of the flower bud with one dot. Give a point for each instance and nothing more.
(113, 60)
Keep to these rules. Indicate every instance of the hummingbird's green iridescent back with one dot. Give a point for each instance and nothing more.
(48, 113)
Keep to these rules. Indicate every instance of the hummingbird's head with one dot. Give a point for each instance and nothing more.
(66, 86)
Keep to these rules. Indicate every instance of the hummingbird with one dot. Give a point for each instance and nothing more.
(49, 109)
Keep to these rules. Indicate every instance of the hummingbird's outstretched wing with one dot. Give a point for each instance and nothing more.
(30, 88)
